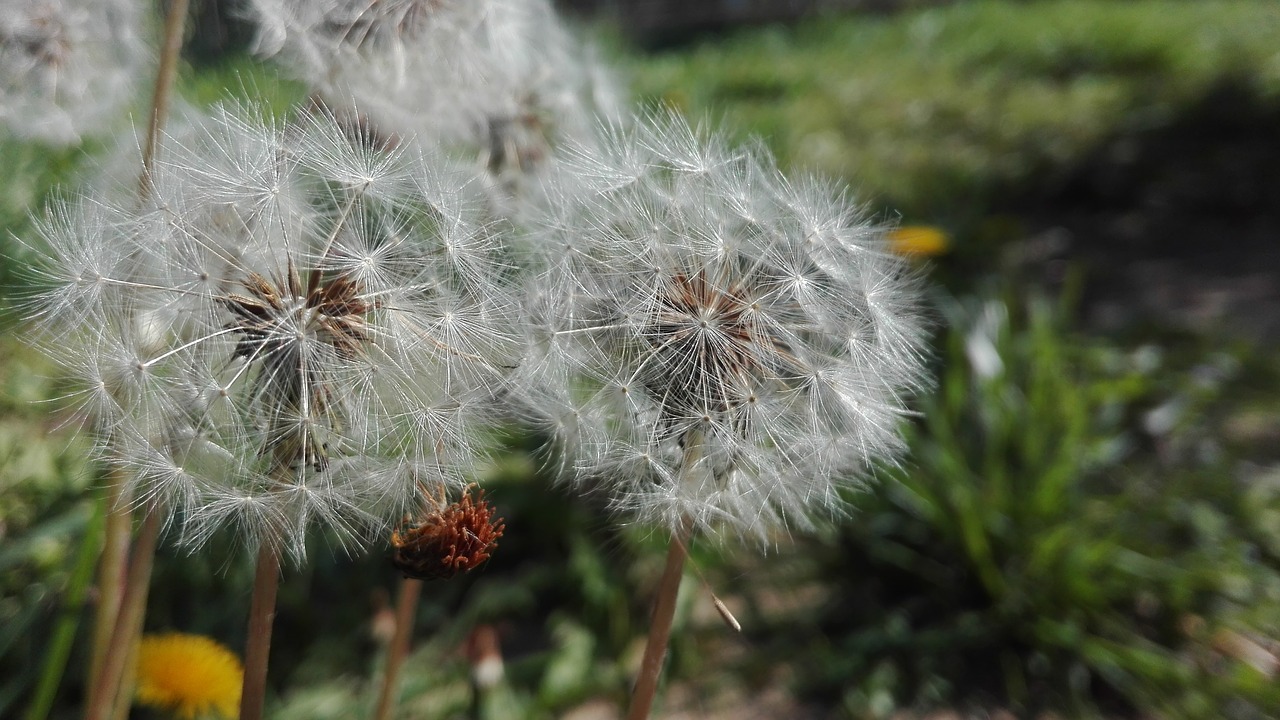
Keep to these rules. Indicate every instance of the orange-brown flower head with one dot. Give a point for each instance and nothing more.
(448, 541)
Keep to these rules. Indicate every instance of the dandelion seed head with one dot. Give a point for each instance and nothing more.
(742, 344)
(501, 80)
(277, 329)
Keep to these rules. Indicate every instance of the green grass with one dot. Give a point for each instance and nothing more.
(939, 112)
(1034, 550)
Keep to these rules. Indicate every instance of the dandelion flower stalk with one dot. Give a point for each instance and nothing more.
(174, 23)
(257, 648)
(664, 611)
(107, 685)
(406, 608)
(115, 547)
(111, 573)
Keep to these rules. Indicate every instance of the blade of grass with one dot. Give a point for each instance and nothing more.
(64, 633)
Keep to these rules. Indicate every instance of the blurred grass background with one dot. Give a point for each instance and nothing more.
(1088, 524)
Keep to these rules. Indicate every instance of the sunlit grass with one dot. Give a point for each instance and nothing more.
(933, 112)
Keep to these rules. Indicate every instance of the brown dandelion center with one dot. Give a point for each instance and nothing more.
(270, 321)
(518, 144)
(449, 541)
(284, 326)
(711, 343)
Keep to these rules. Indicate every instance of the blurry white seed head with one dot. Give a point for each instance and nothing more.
(68, 68)
(502, 81)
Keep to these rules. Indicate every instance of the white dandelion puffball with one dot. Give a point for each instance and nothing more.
(297, 331)
(68, 68)
(502, 79)
(711, 343)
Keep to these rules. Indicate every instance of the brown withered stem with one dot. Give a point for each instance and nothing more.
(406, 606)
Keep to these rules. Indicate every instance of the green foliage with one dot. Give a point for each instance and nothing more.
(44, 475)
(242, 77)
(938, 113)
(1033, 555)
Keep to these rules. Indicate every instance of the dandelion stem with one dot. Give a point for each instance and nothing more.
(406, 605)
(106, 687)
(174, 24)
(257, 647)
(111, 573)
(114, 601)
(128, 681)
(664, 610)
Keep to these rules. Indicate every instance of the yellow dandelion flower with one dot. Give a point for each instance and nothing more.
(919, 240)
(190, 676)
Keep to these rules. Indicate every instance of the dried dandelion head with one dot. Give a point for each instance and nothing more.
(67, 69)
(447, 540)
(300, 332)
(712, 342)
